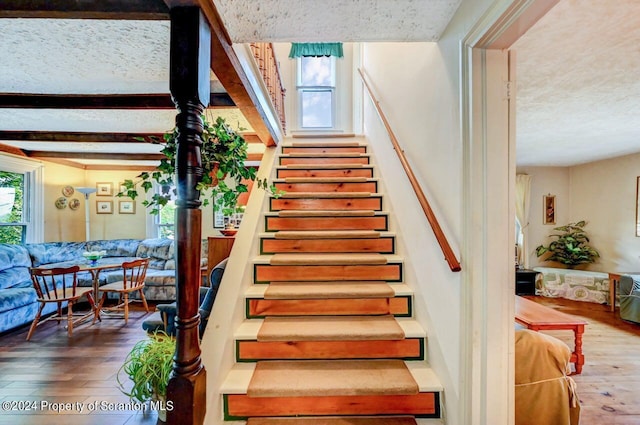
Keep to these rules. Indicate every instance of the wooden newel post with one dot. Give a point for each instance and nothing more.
(190, 64)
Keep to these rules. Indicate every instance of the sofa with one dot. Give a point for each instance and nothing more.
(578, 285)
(18, 303)
(629, 293)
(544, 393)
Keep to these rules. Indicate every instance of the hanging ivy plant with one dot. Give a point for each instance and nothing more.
(223, 154)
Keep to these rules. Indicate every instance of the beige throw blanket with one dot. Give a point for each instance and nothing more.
(544, 394)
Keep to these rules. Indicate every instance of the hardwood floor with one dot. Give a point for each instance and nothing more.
(81, 370)
(610, 381)
(56, 369)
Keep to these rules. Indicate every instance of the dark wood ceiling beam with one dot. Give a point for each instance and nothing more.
(102, 101)
(12, 150)
(75, 137)
(95, 155)
(86, 137)
(86, 9)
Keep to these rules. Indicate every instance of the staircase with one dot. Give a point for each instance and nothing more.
(329, 337)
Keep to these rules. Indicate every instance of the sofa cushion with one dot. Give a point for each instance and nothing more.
(13, 298)
(14, 266)
(55, 252)
(115, 247)
(158, 251)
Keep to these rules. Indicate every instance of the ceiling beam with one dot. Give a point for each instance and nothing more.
(91, 137)
(102, 101)
(86, 9)
(12, 150)
(107, 155)
(95, 155)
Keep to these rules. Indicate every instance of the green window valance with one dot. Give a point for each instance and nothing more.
(315, 49)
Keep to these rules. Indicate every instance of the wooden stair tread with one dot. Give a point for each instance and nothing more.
(324, 155)
(336, 288)
(323, 145)
(324, 180)
(327, 234)
(337, 259)
(329, 328)
(345, 420)
(322, 166)
(314, 195)
(311, 378)
(316, 290)
(326, 213)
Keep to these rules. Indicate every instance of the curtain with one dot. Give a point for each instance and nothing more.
(315, 49)
(523, 189)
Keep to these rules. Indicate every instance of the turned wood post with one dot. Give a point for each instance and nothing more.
(189, 84)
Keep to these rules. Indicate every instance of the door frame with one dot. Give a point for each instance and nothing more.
(488, 135)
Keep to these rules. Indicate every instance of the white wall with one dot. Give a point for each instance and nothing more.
(394, 71)
(604, 194)
(545, 181)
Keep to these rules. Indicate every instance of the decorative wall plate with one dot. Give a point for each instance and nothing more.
(74, 204)
(61, 203)
(67, 191)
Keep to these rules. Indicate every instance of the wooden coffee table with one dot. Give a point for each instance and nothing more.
(538, 317)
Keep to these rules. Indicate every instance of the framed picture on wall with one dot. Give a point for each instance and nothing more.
(127, 207)
(549, 206)
(104, 189)
(104, 207)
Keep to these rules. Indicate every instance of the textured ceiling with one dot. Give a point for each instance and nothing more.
(335, 20)
(578, 85)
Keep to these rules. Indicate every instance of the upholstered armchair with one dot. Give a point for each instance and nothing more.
(164, 320)
(629, 291)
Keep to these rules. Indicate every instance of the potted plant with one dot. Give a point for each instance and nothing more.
(570, 246)
(149, 365)
(223, 155)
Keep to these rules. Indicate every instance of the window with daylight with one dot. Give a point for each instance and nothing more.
(13, 207)
(21, 201)
(165, 219)
(316, 91)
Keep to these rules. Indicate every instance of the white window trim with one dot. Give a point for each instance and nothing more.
(35, 193)
(334, 97)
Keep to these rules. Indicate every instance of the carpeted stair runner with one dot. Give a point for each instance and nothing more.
(349, 328)
(324, 155)
(323, 213)
(327, 234)
(319, 290)
(323, 180)
(313, 378)
(371, 420)
(325, 166)
(327, 259)
(314, 195)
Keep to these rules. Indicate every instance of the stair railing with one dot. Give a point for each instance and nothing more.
(449, 255)
(270, 70)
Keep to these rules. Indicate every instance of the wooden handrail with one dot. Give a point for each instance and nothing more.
(449, 255)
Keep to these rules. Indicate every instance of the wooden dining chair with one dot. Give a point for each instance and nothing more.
(58, 285)
(133, 276)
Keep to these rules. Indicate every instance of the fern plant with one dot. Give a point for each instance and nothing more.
(570, 246)
(148, 365)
